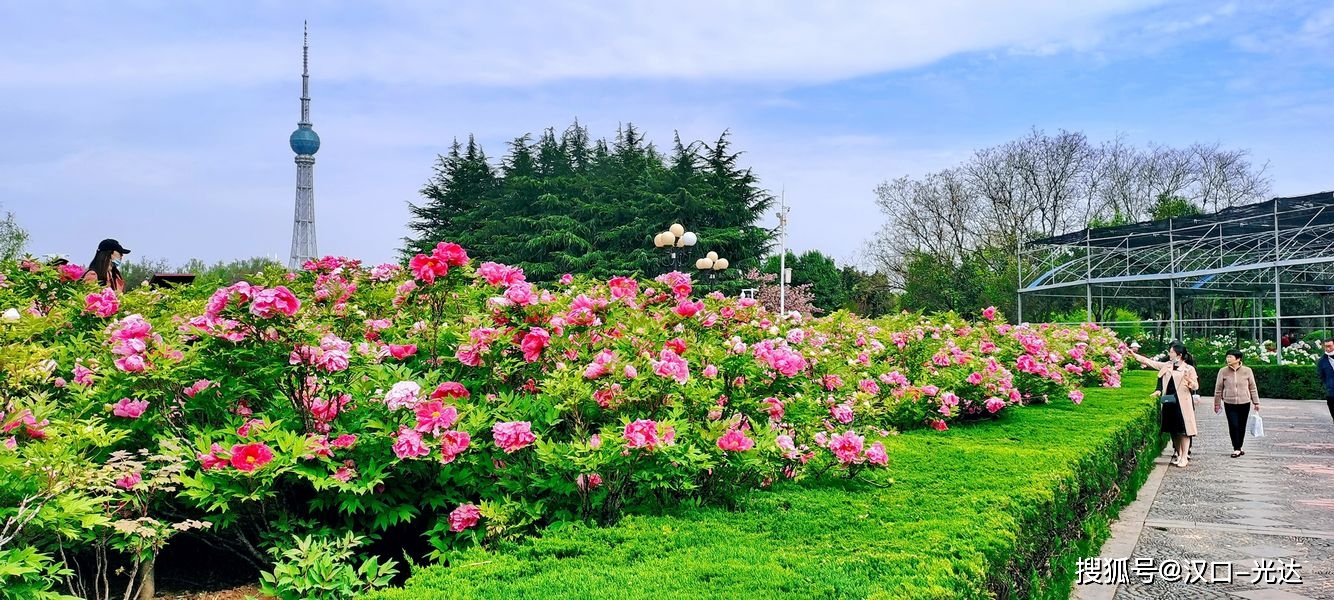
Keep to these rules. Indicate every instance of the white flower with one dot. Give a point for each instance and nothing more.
(10, 315)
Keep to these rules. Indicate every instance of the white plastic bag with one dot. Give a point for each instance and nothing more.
(1257, 426)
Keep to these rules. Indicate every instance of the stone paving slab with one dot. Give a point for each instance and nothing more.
(1250, 527)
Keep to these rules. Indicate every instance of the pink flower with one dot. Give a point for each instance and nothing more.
(244, 429)
(129, 481)
(402, 395)
(130, 409)
(452, 444)
(450, 389)
(846, 446)
(452, 254)
(533, 343)
(402, 351)
(464, 517)
(876, 454)
(735, 441)
(197, 387)
(83, 375)
(434, 416)
(497, 274)
(831, 382)
(248, 457)
(989, 314)
(623, 287)
(71, 272)
(513, 436)
(687, 309)
(216, 459)
(994, 404)
(1076, 396)
(710, 371)
(428, 267)
(408, 444)
(642, 433)
(133, 363)
(566, 279)
(939, 425)
(630, 372)
(774, 407)
(869, 386)
(595, 441)
(343, 441)
(841, 413)
(271, 302)
(588, 482)
(103, 304)
(672, 366)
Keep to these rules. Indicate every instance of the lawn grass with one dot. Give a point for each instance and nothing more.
(994, 509)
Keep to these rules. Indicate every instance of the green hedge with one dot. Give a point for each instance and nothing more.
(994, 509)
(1292, 382)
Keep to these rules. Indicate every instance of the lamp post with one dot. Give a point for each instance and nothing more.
(675, 237)
(713, 265)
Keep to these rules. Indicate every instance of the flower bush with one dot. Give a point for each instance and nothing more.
(466, 405)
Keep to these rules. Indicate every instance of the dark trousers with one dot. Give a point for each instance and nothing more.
(1236, 422)
(1330, 401)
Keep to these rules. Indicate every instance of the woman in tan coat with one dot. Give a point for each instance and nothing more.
(1177, 384)
(1236, 392)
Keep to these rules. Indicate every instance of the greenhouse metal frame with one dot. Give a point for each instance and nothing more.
(1258, 257)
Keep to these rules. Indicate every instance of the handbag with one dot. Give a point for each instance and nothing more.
(1167, 399)
(1257, 426)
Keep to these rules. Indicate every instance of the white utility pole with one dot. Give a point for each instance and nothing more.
(782, 255)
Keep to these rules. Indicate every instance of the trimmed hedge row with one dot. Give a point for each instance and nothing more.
(1291, 382)
(993, 509)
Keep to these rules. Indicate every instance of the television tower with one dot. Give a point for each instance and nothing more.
(305, 143)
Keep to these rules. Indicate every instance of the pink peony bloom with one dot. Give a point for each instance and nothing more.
(1076, 396)
(846, 446)
(71, 272)
(869, 386)
(842, 413)
(533, 343)
(464, 517)
(427, 267)
(672, 366)
(83, 375)
(433, 416)
(630, 372)
(408, 444)
(623, 287)
(133, 363)
(989, 313)
(271, 302)
(102, 304)
(450, 389)
(735, 441)
(513, 436)
(129, 481)
(595, 441)
(876, 454)
(452, 254)
(710, 371)
(642, 433)
(939, 425)
(343, 441)
(588, 482)
(566, 279)
(248, 457)
(130, 409)
(774, 407)
(197, 387)
(687, 309)
(402, 351)
(994, 404)
(452, 444)
(500, 275)
(217, 458)
(402, 395)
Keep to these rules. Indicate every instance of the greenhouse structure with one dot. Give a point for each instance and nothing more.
(1262, 272)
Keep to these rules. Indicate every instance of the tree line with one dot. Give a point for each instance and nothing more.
(951, 238)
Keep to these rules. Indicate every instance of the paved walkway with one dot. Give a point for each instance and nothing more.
(1275, 505)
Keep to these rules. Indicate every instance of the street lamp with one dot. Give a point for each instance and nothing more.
(675, 237)
(713, 265)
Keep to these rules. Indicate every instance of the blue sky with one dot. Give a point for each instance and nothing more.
(165, 124)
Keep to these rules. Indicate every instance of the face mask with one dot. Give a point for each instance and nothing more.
(115, 263)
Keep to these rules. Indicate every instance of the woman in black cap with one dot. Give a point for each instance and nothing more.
(105, 268)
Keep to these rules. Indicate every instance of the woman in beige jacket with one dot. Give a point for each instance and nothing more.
(1177, 384)
(1236, 392)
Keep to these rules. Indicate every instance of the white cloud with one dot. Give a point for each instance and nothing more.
(511, 44)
